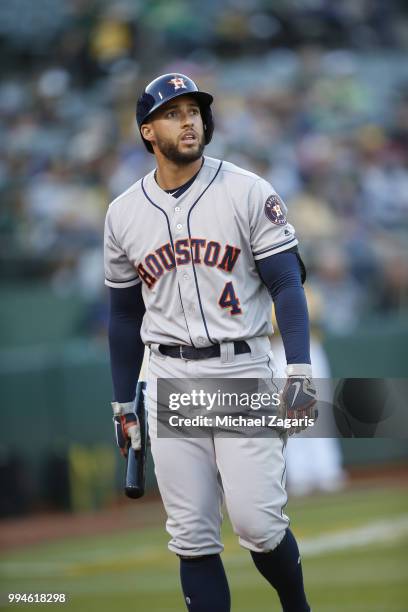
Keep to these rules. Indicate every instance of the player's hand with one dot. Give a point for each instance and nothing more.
(127, 427)
(299, 396)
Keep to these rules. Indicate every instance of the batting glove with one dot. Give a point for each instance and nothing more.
(299, 396)
(127, 427)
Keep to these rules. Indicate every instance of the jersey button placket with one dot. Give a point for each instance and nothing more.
(188, 293)
(187, 286)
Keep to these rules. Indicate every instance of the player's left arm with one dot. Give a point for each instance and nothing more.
(273, 243)
(283, 275)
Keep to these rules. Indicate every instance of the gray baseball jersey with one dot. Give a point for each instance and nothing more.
(196, 255)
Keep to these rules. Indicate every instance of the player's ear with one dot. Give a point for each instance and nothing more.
(147, 132)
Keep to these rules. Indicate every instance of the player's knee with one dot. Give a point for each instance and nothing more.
(194, 540)
(263, 535)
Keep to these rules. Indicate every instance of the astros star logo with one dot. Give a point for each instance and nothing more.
(178, 83)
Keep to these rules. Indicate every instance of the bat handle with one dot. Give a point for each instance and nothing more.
(136, 460)
(134, 483)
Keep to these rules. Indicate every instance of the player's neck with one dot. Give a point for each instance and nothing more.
(170, 175)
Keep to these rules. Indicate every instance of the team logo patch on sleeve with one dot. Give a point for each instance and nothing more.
(274, 210)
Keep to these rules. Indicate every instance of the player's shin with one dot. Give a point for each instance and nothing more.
(282, 568)
(205, 584)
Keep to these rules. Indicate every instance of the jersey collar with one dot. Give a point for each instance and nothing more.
(161, 198)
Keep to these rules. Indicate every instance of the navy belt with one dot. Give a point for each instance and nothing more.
(189, 352)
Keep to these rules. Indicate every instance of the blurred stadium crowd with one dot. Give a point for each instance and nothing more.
(312, 95)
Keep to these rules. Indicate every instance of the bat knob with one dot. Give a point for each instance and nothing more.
(134, 492)
(135, 474)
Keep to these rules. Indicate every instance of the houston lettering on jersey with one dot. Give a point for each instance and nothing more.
(197, 250)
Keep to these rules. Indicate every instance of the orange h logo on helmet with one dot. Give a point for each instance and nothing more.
(178, 83)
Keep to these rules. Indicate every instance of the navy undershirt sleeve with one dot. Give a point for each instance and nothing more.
(125, 345)
(281, 273)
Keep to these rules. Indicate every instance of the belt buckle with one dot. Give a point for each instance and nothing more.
(181, 353)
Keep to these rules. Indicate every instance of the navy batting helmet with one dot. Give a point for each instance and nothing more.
(167, 87)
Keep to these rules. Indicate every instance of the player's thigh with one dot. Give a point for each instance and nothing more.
(252, 470)
(253, 477)
(185, 468)
(191, 492)
(187, 474)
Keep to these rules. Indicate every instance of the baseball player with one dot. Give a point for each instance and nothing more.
(194, 253)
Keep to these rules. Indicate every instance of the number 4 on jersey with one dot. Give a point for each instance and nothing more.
(228, 299)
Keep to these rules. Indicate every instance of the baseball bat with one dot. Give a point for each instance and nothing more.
(136, 460)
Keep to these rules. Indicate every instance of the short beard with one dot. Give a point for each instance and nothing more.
(172, 153)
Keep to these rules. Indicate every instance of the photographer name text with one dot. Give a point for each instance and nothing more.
(239, 421)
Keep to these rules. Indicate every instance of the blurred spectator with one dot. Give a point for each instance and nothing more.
(340, 295)
(301, 80)
(393, 285)
(112, 38)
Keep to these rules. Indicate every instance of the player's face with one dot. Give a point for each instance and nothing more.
(177, 131)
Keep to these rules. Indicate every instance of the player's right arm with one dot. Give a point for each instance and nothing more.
(126, 311)
(126, 356)
(125, 345)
